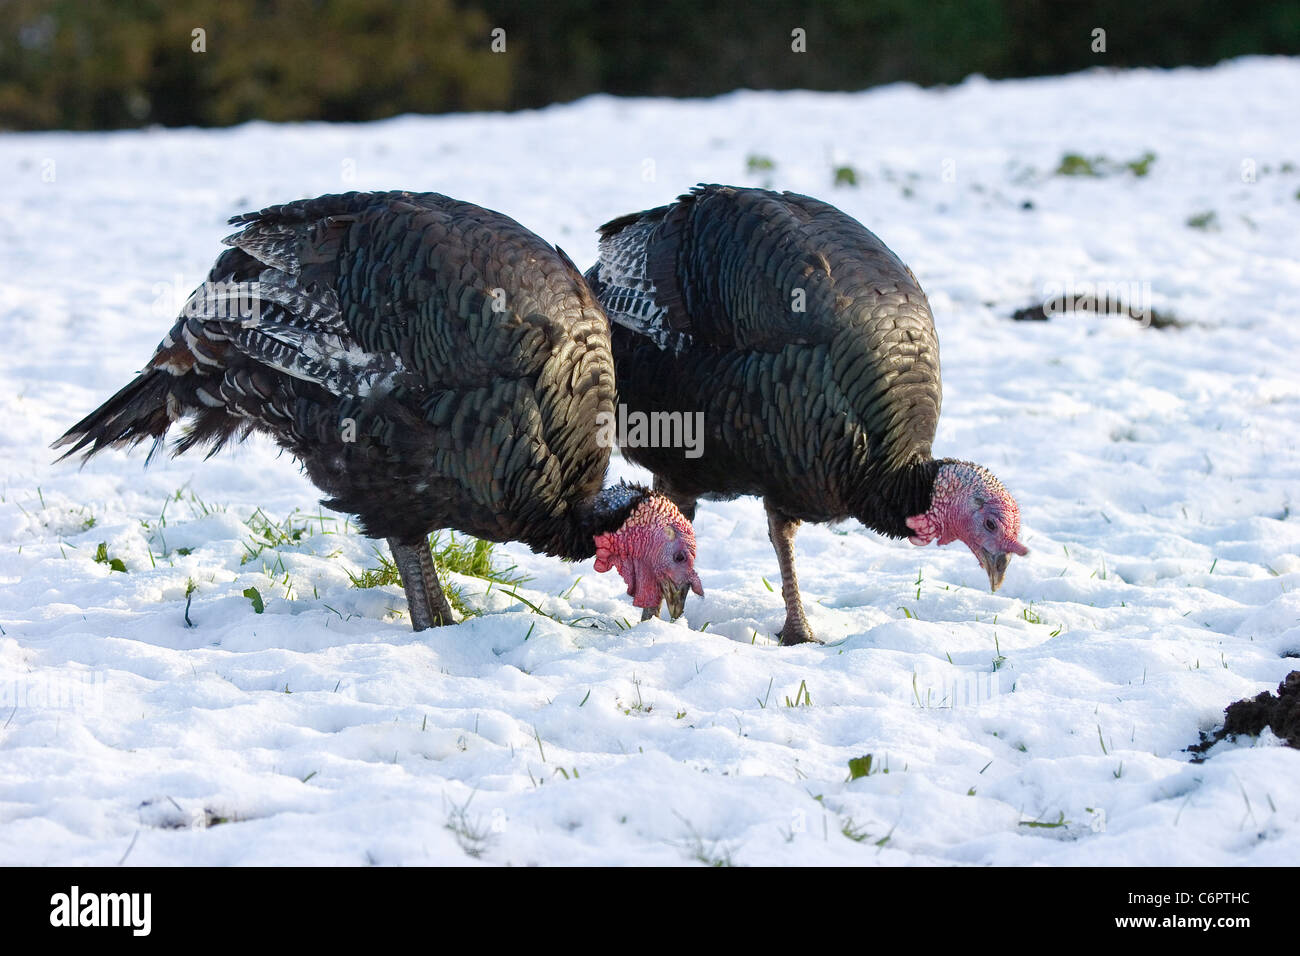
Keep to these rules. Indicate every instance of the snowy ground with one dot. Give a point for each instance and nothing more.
(1156, 471)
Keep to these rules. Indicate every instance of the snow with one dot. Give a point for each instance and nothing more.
(1155, 469)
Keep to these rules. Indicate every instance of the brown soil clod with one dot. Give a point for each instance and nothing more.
(1150, 317)
(1250, 716)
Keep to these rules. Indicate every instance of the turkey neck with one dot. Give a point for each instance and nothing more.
(892, 493)
(574, 536)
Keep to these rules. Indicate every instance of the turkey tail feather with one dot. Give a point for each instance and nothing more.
(137, 412)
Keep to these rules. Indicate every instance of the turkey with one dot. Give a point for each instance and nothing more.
(431, 364)
(809, 350)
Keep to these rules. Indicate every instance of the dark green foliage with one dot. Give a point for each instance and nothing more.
(568, 48)
(69, 64)
(81, 65)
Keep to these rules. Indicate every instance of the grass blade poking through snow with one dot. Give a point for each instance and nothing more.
(465, 555)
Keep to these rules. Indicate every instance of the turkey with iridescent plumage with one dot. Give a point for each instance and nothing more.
(431, 364)
(809, 350)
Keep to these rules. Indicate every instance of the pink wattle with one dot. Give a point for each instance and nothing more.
(940, 523)
(960, 490)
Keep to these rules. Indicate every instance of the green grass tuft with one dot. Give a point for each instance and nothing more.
(1142, 165)
(1075, 164)
(101, 557)
(845, 176)
(801, 697)
(472, 836)
(379, 577)
(268, 534)
(1060, 821)
(714, 853)
(854, 832)
(465, 555)
(1072, 164)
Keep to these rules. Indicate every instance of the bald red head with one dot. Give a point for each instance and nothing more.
(654, 551)
(970, 505)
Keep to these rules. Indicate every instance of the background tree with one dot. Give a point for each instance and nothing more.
(99, 64)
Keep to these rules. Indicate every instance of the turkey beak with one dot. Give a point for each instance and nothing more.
(675, 597)
(996, 567)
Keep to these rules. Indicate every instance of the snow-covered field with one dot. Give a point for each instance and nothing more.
(1156, 472)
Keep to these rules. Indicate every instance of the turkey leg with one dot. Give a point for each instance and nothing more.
(781, 530)
(429, 607)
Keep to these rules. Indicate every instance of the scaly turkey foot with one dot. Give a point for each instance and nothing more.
(799, 633)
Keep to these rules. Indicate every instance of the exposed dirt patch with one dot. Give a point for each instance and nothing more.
(1250, 716)
(1151, 317)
